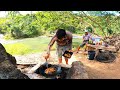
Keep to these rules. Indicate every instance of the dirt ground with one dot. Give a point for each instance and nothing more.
(95, 69)
(99, 70)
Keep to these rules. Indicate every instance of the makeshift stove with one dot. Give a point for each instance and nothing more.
(52, 71)
(105, 56)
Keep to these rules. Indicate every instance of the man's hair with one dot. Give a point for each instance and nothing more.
(61, 33)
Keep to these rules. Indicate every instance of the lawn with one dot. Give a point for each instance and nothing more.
(33, 45)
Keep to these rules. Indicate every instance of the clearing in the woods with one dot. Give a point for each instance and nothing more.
(95, 69)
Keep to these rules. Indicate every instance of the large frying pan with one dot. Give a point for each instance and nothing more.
(67, 54)
(42, 70)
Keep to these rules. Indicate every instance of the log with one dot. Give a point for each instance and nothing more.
(33, 69)
(109, 48)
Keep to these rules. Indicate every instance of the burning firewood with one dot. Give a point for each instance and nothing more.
(114, 41)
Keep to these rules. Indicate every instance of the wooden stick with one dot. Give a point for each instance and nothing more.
(32, 70)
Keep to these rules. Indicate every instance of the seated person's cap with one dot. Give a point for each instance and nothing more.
(86, 30)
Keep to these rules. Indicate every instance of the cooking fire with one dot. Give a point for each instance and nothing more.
(49, 71)
(52, 71)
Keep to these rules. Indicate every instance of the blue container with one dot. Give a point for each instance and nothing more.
(91, 55)
(96, 39)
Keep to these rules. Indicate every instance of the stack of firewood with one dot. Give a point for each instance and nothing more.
(114, 41)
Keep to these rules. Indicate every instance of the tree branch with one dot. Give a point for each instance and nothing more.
(95, 23)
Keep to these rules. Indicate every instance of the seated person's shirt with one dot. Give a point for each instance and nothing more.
(86, 37)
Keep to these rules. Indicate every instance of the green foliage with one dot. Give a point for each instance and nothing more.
(109, 31)
(8, 36)
(89, 29)
(31, 25)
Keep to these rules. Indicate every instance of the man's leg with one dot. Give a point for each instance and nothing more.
(68, 48)
(86, 43)
(59, 52)
(66, 60)
(81, 45)
(60, 60)
(78, 49)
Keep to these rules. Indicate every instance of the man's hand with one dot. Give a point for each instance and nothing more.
(46, 56)
(76, 51)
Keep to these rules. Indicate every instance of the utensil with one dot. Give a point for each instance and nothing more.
(59, 69)
(46, 63)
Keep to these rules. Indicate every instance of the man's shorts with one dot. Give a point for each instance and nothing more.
(83, 43)
(62, 49)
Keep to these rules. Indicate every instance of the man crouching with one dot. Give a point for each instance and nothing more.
(64, 43)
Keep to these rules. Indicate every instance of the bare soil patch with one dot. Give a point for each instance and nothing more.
(95, 69)
(99, 70)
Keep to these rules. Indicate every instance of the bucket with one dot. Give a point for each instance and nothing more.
(91, 55)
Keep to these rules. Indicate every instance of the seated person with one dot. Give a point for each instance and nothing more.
(86, 39)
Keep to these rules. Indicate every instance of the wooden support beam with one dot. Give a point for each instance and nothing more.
(109, 48)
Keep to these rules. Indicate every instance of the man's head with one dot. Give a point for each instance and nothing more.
(61, 33)
(86, 32)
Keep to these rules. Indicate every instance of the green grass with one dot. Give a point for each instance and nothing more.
(76, 42)
(17, 49)
(33, 45)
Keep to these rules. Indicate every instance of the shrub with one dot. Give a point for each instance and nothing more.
(8, 36)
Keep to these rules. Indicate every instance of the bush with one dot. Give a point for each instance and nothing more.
(89, 29)
(17, 33)
(8, 36)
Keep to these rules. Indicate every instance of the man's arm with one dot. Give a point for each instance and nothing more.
(51, 44)
(49, 48)
(83, 37)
